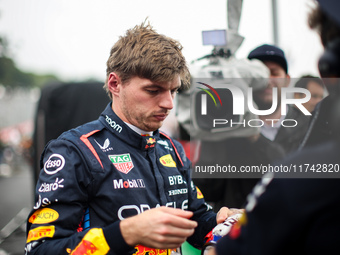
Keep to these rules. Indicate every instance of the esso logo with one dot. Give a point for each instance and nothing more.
(54, 164)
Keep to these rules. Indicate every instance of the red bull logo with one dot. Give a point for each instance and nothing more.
(199, 193)
(150, 143)
(142, 250)
(93, 243)
(85, 248)
(151, 140)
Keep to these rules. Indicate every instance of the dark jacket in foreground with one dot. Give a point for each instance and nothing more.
(324, 124)
(290, 138)
(292, 215)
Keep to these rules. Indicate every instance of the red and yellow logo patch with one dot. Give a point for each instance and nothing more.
(40, 232)
(150, 143)
(199, 193)
(93, 242)
(142, 250)
(43, 216)
(167, 161)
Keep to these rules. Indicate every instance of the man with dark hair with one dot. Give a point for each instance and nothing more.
(316, 88)
(118, 185)
(293, 215)
(288, 137)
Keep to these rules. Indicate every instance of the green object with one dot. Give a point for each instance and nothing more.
(187, 249)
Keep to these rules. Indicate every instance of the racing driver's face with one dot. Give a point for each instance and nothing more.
(144, 103)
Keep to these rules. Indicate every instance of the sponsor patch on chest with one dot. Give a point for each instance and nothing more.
(122, 162)
(167, 161)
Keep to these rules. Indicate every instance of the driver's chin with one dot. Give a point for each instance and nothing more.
(152, 126)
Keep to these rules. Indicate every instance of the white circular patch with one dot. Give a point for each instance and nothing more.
(54, 164)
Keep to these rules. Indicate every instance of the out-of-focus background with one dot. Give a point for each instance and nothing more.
(48, 43)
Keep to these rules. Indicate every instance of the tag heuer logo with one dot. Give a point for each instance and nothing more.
(122, 162)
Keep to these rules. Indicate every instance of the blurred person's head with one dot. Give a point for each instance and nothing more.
(275, 60)
(315, 86)
(325, 19)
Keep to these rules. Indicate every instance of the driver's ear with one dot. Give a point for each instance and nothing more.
(114, 83)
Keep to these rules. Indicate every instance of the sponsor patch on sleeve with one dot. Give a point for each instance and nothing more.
(93, 242)
(199, 193)
(40, 232)
(142, 250)
(43, 216)
(54, 164)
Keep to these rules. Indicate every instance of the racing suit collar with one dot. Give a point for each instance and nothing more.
(113, 123)
(138, 130)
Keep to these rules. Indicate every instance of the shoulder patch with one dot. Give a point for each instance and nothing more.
(84, 139)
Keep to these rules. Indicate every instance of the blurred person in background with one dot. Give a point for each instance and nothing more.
(288, 137)
(321, 128)
(239, 145)
(315, 86)
(293, 215)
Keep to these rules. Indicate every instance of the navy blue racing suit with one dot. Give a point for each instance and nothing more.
(96, 175)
